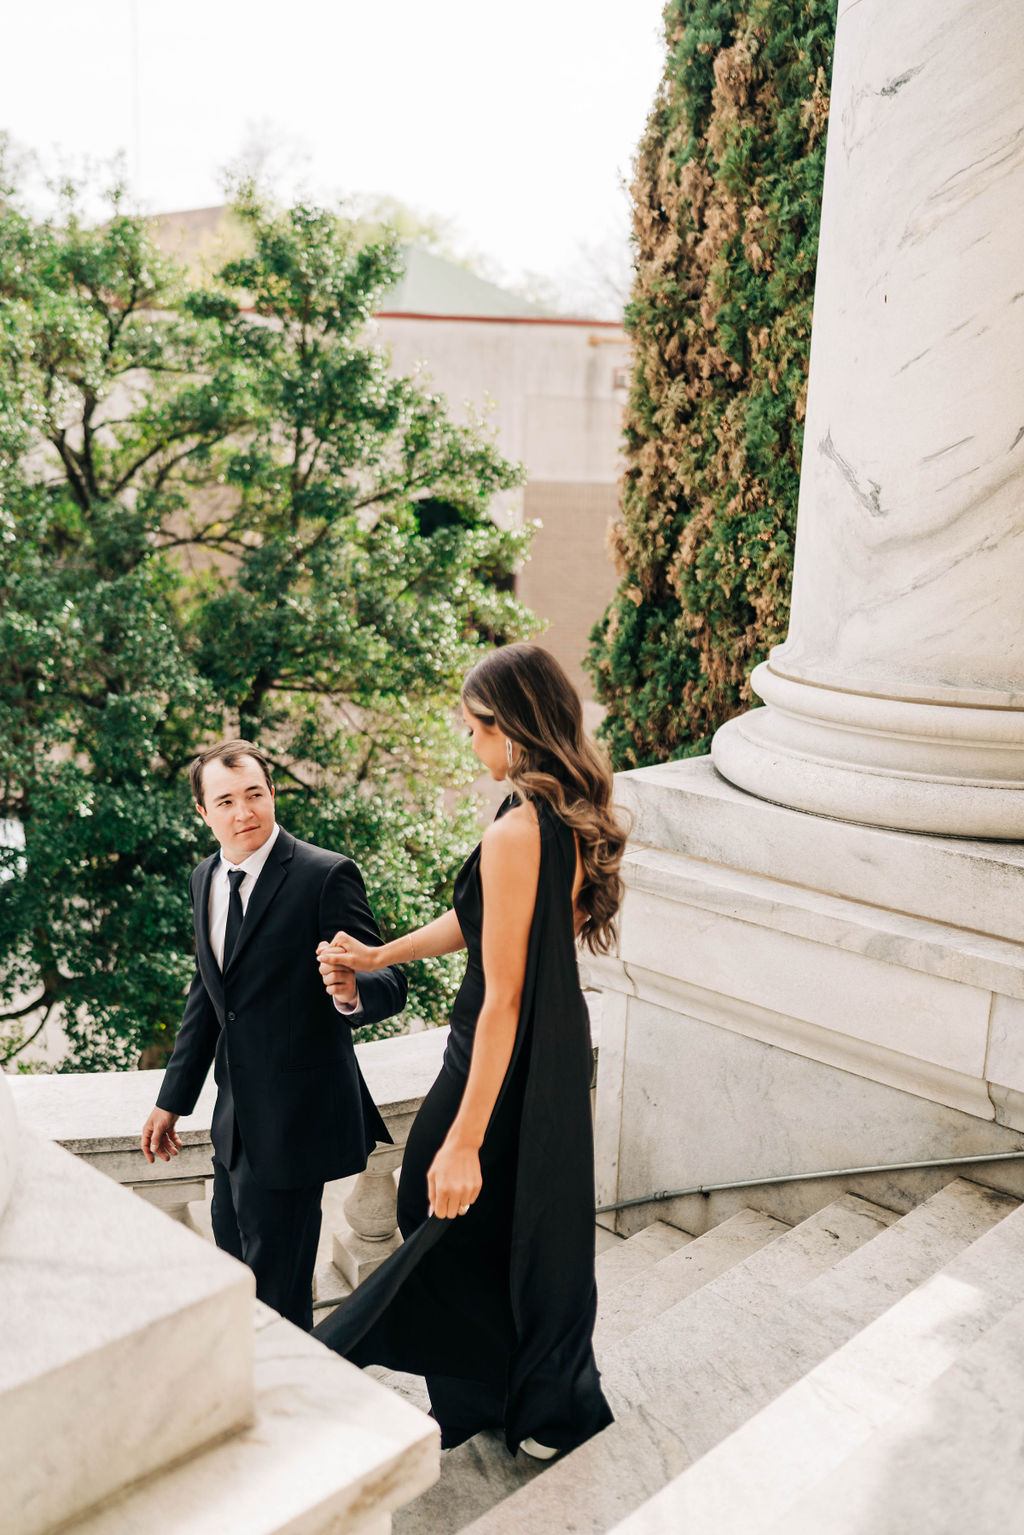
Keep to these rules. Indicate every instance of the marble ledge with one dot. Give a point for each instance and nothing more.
(952, 952)
(689, 808)
(329, 1450)
(8, 1143)
(154, 1267)
(97, 1114)
(913, 1013)
(873, 1060)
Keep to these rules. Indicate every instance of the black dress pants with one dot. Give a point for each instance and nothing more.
(274, 1231)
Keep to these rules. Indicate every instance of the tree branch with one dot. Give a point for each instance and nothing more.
(165, 469)
(46, 998)
(279, 767)
(26, 1042)
(72, 472)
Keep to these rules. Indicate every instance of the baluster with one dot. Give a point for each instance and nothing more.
(371, 1211)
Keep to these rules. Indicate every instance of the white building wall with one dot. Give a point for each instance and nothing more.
(553, 392)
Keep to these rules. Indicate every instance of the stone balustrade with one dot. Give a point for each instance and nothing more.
(99, 1116)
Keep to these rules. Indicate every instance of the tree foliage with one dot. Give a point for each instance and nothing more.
(727, 196)
(220, 513)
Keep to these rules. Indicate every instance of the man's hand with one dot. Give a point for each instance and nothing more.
(159, 1137)
(340, 980)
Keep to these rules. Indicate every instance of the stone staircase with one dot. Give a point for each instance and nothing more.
(836, 1375)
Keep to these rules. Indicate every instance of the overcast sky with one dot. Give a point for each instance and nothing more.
(515, 120)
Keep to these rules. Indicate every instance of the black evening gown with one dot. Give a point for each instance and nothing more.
(496, 1308)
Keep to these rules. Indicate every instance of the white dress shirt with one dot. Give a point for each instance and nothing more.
(220, 890)
(220, 894)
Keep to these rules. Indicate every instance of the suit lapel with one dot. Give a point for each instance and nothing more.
(273, 876)
(207, 964)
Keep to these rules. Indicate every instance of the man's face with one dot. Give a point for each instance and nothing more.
(238, 808)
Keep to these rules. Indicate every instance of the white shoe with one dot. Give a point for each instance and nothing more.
(537, 1451)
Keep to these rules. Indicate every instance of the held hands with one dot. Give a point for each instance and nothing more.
(159, 1137)
(339, 980)
(454, 1180)
(338, 961)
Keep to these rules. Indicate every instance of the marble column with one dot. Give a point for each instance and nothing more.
(897, 699)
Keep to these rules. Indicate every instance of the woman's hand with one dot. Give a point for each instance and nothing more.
(454, 1180)
(345, 953)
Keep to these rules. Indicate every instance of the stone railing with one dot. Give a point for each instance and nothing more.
(99, 1116)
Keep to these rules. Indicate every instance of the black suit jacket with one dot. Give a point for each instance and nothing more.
(283, 1052)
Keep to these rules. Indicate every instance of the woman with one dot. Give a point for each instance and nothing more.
(492, 1295)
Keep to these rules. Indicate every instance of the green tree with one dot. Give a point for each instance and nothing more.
(727, 196)
(220, 513)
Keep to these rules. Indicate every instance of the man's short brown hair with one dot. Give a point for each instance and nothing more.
(230, 753)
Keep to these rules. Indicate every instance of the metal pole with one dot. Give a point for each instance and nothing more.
(835, 1172)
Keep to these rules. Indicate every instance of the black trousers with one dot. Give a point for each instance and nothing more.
(274, 1231)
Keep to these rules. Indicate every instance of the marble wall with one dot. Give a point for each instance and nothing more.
(793, 995)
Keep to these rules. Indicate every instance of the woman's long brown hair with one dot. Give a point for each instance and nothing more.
(524, 691)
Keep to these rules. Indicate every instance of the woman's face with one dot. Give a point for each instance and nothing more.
(489, 744)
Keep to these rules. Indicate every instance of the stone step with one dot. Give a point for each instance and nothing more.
(481, 1472)
(619, 1264)
(413, 1388)
(328, 1450)
(867, 1399)
(652, 1291)
(949, 1461)
(794, 1254)
(648, 1359)
(689, 1379)
(475, 1477)
(329, 1287)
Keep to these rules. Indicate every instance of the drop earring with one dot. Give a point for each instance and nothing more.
(508, 752)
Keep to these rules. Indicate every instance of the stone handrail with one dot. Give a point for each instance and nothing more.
(99, 1116)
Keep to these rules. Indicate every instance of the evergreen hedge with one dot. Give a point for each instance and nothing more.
(727, 195)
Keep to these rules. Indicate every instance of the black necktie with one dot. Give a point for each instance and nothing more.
(235, 915)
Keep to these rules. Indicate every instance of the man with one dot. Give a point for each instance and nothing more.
(292, 1109)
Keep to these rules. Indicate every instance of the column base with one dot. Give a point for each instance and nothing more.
(794, 995)
(947, 769)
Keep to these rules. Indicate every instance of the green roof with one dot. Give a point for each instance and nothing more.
(432, 285)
